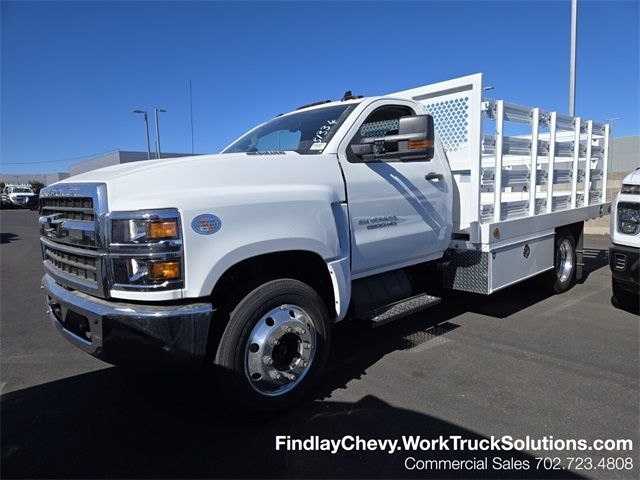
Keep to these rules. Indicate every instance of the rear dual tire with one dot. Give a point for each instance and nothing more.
(563, 276)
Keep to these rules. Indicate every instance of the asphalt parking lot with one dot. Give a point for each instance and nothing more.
(517, 363)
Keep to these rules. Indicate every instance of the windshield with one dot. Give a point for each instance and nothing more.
(304, 132)
(21, 190)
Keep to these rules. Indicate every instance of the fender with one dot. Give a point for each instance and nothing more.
(327, 236)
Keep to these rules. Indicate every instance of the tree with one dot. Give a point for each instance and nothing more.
(36, 185)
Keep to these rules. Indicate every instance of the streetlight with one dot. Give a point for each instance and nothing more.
(611, 120)
(158, 153)
(146, 126)
(572, 61)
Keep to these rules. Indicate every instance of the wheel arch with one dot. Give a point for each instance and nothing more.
(247, 274)
(303, 265)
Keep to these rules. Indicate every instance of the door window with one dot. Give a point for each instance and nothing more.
(380, 123)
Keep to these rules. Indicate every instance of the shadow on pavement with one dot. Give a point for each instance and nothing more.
(594, 259)
(8, 237)
(110, 423)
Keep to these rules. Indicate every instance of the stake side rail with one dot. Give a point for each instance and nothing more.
(514, 164)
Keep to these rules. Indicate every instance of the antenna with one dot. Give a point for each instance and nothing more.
(191, 112)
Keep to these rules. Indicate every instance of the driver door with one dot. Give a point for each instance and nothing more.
(400, 210)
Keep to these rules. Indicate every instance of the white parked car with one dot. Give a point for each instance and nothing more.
(624, 253)
(16, 195)
(242, 261)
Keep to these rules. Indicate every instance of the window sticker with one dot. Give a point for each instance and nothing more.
(318, 146)
(324, 130)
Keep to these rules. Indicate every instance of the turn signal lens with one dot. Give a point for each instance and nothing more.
(419, 144)
(162, 230)
(164, 270)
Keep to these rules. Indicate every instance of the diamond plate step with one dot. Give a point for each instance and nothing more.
(394, 311)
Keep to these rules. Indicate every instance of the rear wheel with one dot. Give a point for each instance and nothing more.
(274, 347)
(562, 277)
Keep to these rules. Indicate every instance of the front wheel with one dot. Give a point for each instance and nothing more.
(562, 277)
(274, 347)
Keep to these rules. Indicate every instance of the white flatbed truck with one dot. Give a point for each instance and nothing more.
(242, 261)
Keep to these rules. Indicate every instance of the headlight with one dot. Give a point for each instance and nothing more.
(146, 250)
(144, 230)
(628, 218)
(153, 273)
(632, 189)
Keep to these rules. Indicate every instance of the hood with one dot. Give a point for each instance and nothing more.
(186, 182)
(633, 178)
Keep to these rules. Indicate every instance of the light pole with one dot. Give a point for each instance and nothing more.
(158, 152)
(146, 126)
(572, 63)
(611, 120)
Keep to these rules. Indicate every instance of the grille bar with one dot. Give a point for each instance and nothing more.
(80, 261)
(81, 266)
(70, 202)
(73, 208)
(78, 268)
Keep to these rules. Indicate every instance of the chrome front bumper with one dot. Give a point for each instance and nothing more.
(122, 333)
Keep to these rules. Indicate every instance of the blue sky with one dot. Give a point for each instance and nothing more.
(73, 72)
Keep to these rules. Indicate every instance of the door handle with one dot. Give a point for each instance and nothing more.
(433, 176)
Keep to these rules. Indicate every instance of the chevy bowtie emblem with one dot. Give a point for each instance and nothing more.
(52, 224)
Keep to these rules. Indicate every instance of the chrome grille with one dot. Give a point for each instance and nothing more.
(72, 208)
(83, 267)
(620, 261)
(72, 215)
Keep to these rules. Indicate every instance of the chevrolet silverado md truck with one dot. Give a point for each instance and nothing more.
(242, 261)
(624, 253)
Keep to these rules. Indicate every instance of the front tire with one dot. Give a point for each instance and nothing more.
(563, 276)
(274, 347)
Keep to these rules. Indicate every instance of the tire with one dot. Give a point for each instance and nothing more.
(624, 299)
(563, 276)
(274, 347)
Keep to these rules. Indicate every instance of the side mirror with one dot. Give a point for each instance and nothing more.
(414, 142)
(416, 138)
(362, 149)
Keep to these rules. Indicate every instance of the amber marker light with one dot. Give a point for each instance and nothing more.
(162, 230)
(417, 144)
(169, 270)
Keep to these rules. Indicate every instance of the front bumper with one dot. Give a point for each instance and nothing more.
(127, 333)
(625, 266)
(19, 201)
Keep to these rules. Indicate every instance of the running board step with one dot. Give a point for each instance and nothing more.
(394, 311)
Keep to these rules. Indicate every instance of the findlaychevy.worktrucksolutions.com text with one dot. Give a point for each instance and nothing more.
(347, 443)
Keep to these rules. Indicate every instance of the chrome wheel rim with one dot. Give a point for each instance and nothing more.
(564, 261)
(280, 350)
